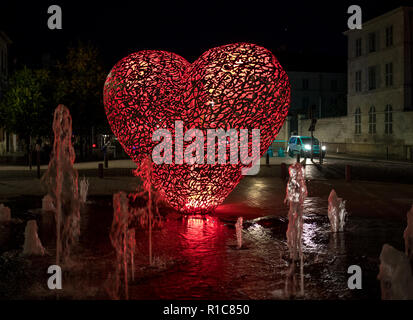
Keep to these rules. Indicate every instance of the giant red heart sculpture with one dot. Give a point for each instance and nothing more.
(236, 86)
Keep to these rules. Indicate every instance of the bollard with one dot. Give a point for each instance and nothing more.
(100, 170)
(267, 159)
(283, 171)
(348, 173)
(298, 157)
(106, 161)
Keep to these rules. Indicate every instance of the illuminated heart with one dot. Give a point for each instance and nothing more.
(236, 86)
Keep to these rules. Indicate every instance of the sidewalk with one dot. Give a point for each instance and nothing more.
(129, 164)
(345, 156)
(126, 164)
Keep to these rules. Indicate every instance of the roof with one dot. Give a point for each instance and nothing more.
(378, 18)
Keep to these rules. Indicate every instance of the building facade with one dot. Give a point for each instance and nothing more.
(321, 93)
(379, 119)
(380, 91)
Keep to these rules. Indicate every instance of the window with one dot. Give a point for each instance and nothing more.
(389, 74)
(306, 103)
(389, 36)
(372, 78)
(358, 47)
(357, 121)
(334, 85)
(305, 84)
(388, 119)
(372, 120)
(358, 81)
(306, 140)
(372, 42)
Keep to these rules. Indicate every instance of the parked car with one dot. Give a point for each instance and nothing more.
(302, 145)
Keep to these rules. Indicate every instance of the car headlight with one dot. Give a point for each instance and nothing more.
(323, 148)
(307, 147)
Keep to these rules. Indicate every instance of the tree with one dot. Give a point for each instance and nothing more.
(25, 107)
(80, 85)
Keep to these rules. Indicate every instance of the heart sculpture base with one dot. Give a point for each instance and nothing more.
(236, 86)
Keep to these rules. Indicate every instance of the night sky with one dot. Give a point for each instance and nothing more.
(303, 34)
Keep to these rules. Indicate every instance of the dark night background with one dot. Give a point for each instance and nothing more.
(304, 35)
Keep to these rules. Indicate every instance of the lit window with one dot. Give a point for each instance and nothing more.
(357, 121)
(388, 119)
(358, 81)
(372, 78)
(372, 120)
(372, 42)
(358, 47)
(389, 36)
(389, 74)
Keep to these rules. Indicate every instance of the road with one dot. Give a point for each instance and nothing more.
(333, 168)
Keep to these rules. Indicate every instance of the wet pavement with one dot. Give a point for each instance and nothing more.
(198, 258)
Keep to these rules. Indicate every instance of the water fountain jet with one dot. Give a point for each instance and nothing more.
(61, 180)
(295, 196)
(336, 212)
(83, 189)
(47, 203)
(5, 214)
(396, 279)
(408, 235)
(238, 231)
(148, 216)
(120, 240)
(32, 244)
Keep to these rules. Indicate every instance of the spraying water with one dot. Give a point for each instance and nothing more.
(408, 235)
(336, 212)
(120, 239)
(32, 244)
(296, 194)
(128, 210)
(61, 180)
(5, 214)
(83, 189)
(238, 231)
(131, 251)
(396, 279)
(148, 216)
(47, 203)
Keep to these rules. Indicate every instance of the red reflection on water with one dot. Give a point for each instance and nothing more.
(203, 244)
(199, 227)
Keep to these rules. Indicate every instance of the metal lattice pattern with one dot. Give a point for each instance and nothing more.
(236, 86)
